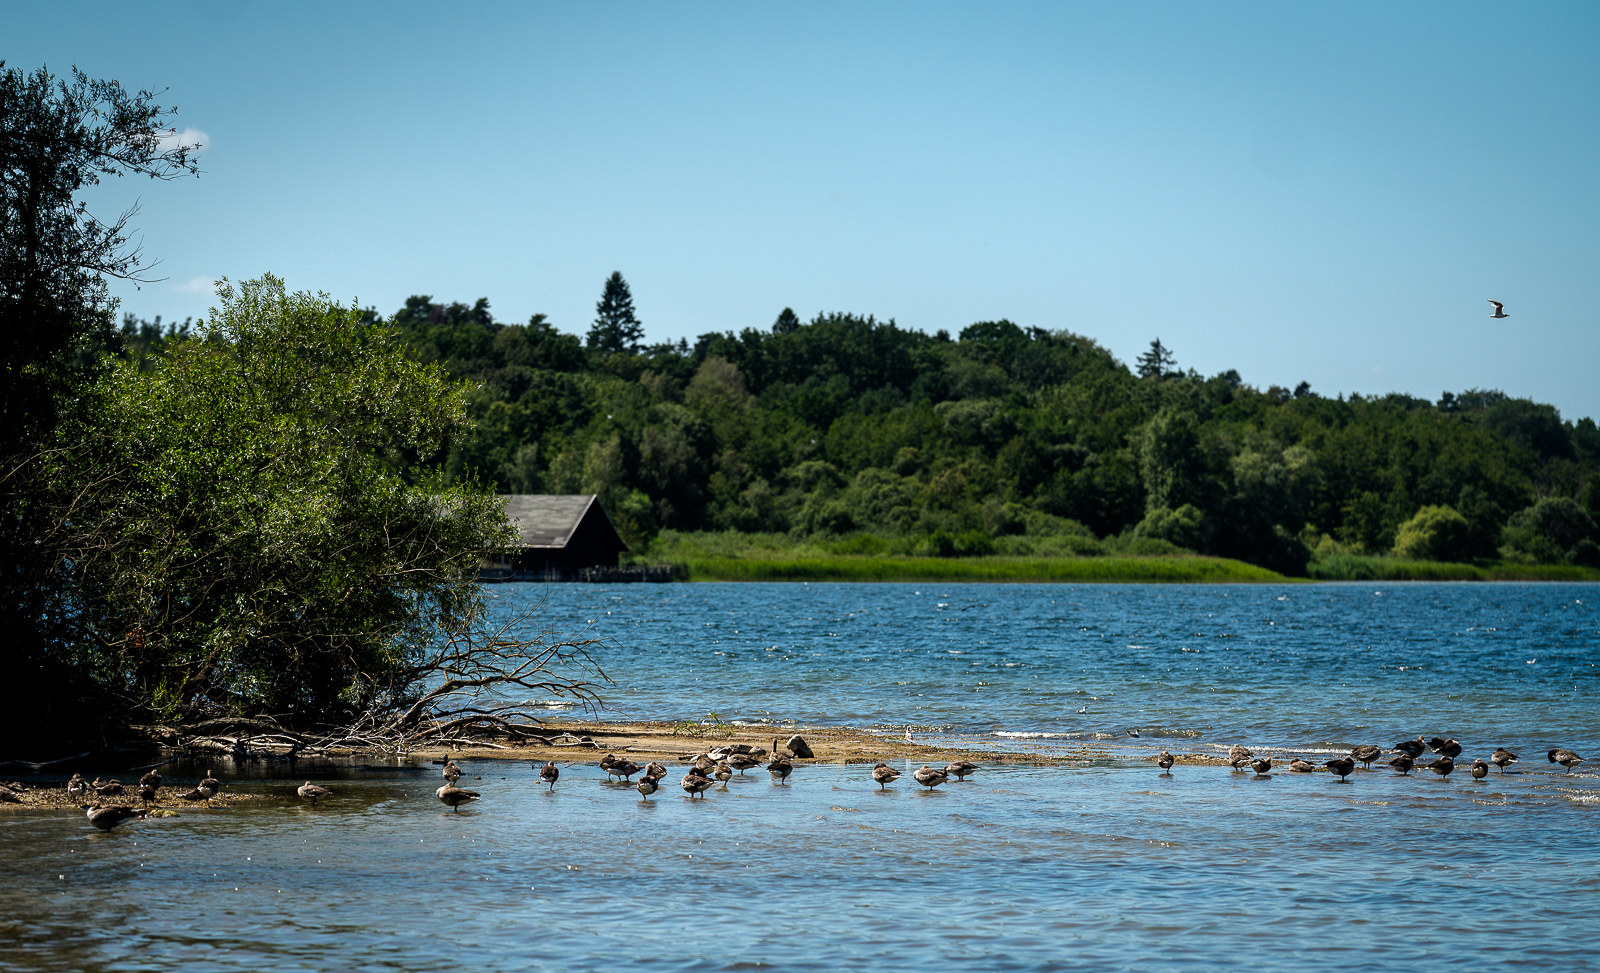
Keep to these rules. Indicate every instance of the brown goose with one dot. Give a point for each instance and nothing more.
(723, 773)
(1239, 757)
(1480, 770)
(929, 777)
(960, 769)
(696, 784)
(780, 768)
(884, 775)
(451, 771)
(209, 787)
(313, 792)
(77, 786)
(151, 780)
(1503, 758)
(1448, 748)
(147, 793)
(647, 785)
(656, 769)
(1366, 753)
(106, 818)
(625, 768)
(1301, 765)
(453, 796)
(606, 763)
(1403, 763)
(742, 762)
(1411, 748)
(1442, 766)
(1343, 766)
(1564, 757)
(704, 765)
(1261, 765)
(1165, 762)
(550, 773)
(110, 788)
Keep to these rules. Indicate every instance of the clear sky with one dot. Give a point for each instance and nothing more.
(1300, 191)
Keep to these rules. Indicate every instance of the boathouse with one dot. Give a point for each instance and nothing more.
(559, 535)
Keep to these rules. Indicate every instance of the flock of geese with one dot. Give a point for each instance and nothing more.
(718, 765)
(1407, 752)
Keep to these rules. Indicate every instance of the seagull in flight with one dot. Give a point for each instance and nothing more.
(1499, 309)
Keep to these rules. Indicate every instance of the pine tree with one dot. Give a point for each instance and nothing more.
(616, 328)
(1157, 362)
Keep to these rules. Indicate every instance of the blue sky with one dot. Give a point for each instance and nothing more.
(1302, 192)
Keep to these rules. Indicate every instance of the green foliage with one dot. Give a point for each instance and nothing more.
(1552, 531)
(1434, 533)
(616, 329)
(249, 547)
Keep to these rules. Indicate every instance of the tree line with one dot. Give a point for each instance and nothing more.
(999, 438)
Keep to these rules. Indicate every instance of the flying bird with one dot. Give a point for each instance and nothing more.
(1499, 309)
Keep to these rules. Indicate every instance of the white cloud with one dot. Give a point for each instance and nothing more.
(190, 137)
(197, 285)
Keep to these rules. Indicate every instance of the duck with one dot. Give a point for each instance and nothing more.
(1261, 765)
(313, 792)
(696, 784)
(1403, 763)
(1480, 770)
(884, 775)
(780, 768)
(1301, 765)
(1503, 758)
(1165, 762)
(647, 785)
(1343, 766)
(550, 773)
(1449, 748)
(106, 818)
(1442, 766)
(1366, 753)
(1564, 757)
(960, 769)
(453, 796)
(1411, 748)
(929, 777)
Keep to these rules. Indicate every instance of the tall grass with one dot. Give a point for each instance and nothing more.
(1363, 567)
(872, 568)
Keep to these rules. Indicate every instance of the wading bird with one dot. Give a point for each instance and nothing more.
(960, 769)
(550, 773)
(1480, 770)
(929, 777)
(884, 775)
(106, 818)
(453, 796)
(1261, 765)
(1564, 757)
(1403, 763)
(1442, 766)
(1343, 766)
(1411, 748)
(1165, 762)
(1503, 758)
(313, 792)
(1366, 753)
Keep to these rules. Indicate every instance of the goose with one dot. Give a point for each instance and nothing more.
(151, 779)
(110, 788)
(1301, 765)
(209, 787)
(106, 818)
(1499, 309)
(454, 796)
(647, 785)
(1239, 756)
(1564, 757)
(1403, 763)
(1261, 765)
(607, 763)
(1343, 766)
(960, 769)
(1165, 762)
(147, 793)
(696, 784)
(742, 762)
(778, 751)
(1503, 758)
(656, 769)
(1448, 748)
(884, 775)
(550, 773)
(704, 765)
(451, 771)
(313, 792)
(929, 777)
(1411, 748)
(77, 786)
(780, 768)
(1442, 766)
(1480, 770)
(625, 768)
(192, 795)
(723, 773)
(8, 795)
(1366, 753)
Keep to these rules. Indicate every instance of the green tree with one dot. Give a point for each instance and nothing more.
(248, 548)
(1434, 533)
(616, 328)
(57, 137)
(1158, 362)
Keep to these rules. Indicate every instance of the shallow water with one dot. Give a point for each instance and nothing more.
(1102, 864)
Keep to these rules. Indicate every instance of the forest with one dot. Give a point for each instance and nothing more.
(1002, 439)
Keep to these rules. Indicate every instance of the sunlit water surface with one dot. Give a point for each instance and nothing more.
(1102, 864)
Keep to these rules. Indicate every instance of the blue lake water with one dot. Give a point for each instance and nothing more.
(1098, 864)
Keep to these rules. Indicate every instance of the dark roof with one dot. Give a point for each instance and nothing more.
(549, 520)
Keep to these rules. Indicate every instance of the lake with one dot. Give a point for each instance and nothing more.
(1097, 864)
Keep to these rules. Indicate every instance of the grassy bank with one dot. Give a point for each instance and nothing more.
(1360, 567)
